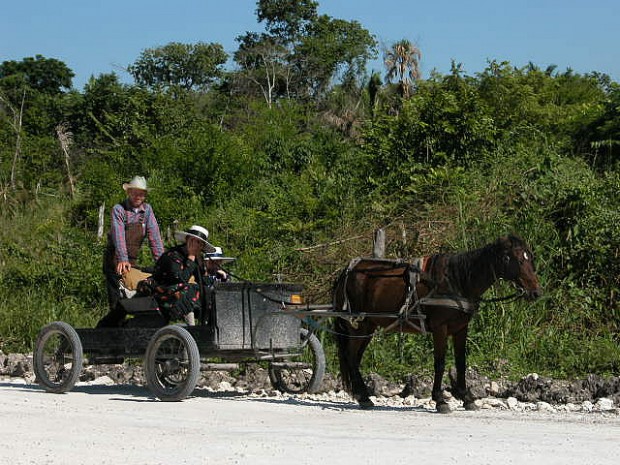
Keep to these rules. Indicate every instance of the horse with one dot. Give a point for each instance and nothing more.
(438, 294)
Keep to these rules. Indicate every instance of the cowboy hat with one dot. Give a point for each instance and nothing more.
(218, 255)
(199, 233)
(138, 182)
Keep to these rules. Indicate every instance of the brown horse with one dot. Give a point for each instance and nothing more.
(437, 294)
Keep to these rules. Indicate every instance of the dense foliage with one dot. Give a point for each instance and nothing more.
(295, 156)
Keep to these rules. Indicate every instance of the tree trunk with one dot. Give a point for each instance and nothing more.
(17, 126)
(64, 137)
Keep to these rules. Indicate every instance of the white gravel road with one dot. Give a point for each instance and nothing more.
(124, 425)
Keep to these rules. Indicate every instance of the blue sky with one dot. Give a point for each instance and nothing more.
(106, 36)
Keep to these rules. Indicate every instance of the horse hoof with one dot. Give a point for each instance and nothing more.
(471, 406)
(443, 408)
(366, 404)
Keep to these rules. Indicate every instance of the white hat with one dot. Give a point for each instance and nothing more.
(199, 233)
(218, 255)
(138, 182)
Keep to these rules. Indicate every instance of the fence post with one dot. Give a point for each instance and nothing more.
(378, 248)
(101, 220)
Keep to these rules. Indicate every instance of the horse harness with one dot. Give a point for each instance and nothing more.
(413, 310)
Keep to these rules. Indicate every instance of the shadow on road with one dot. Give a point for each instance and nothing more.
(120, 389)
(304, 402)
(142, 394)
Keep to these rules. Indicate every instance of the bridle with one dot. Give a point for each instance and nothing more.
(519, 294)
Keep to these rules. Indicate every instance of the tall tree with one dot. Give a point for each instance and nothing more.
(402, 62)
(31, 94)
(333, 49)
(104, 100)
(263, 64)
(306, 49)
(45, 75)
(189, 66)
(287, 19)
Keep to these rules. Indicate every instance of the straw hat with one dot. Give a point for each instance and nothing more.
(218, 255)
(138, 182)
(199, 233)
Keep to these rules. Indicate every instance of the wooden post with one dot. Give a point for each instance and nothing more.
(378, 248)
(101, 221)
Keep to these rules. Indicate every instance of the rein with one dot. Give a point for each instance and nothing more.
(459, 301)
(410, 304)
(258, 290)
(507, 298)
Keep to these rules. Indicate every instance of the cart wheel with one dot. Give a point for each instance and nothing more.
(172, 363)
(57, 357)
(305, 373)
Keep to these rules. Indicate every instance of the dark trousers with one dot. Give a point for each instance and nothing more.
(116, 315)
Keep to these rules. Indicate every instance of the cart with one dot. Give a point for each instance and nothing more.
(244, 322)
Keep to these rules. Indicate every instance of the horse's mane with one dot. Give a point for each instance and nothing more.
(463, 268)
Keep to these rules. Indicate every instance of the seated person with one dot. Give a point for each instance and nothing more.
(213, 264)
(178, 274)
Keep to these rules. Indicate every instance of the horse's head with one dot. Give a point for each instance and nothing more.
(517, 265)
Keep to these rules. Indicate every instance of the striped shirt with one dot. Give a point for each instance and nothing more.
(123, 214)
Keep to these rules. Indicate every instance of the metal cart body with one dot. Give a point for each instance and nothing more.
(240, 322)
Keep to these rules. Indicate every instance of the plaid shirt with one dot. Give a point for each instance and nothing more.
(150, 228)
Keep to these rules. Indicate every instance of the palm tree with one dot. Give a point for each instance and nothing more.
(402, 61)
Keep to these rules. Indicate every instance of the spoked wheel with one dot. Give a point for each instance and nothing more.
(58, 357)
(172, 363)
(304, 373)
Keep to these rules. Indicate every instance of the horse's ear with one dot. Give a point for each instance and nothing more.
(515, 240)
(505, 243)
(505, 246)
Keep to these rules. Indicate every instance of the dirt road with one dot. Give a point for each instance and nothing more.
(125, 425)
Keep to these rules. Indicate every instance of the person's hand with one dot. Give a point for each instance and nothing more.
(123, 267)
(194, 247)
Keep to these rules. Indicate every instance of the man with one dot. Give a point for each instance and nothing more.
(133, 220)
(178, 275)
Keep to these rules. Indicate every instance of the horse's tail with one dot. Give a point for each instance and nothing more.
(341, 328)
(339, 297)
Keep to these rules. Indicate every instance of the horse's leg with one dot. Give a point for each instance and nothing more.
(440, 342)
(351, 348)
(360, 389)
(460, 360)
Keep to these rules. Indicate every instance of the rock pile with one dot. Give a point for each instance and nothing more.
(531, 393)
